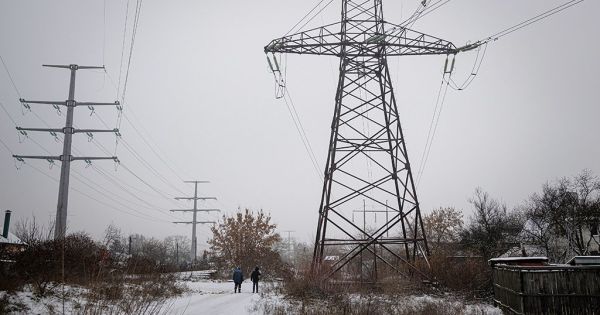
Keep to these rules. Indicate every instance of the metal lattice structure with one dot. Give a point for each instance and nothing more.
(366, 163)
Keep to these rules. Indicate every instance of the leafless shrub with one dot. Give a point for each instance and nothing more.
(31, 231)
(464, 275)
(371, 304)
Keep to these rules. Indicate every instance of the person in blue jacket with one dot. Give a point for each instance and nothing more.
(238, 278)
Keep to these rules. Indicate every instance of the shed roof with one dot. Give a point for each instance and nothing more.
(518, 260)
(584, 260)
(11, 239)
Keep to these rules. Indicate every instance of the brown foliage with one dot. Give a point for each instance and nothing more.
(246, 239)
(443, 225)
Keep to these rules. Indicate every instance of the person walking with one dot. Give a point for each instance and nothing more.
(238, 278)
(255, 276)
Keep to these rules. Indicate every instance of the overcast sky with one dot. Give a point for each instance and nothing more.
(200, 93)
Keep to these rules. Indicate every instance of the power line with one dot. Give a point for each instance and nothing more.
(77, 176)
(103, 31)
(8, 114)
(136, 19)
(304, 17)
(10, 77)
(534, 19)
(114, 180)
(150, 146)
(6, 147)
(144, 182)
(316, 14)
(422, 12)
(124, 189)
(95, 199)
(312, 18)
(428, 149)
(123, 48)
(142, 160)
(301, 132)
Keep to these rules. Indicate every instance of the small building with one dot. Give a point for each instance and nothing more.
(9, 243)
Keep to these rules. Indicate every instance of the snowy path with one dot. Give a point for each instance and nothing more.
(215, 298)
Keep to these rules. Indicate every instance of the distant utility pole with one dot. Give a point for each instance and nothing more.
(66, 157)
(194, 221)
(289, 241)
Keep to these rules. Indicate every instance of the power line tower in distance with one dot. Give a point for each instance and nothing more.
(195, 211)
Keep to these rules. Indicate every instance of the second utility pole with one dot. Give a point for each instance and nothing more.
(194, 221)
(66, 157)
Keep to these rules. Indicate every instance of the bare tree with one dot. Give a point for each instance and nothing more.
(493, 229)
(562, 217)
(31, 231)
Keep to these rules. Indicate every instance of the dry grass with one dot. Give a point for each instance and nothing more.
(311, 294)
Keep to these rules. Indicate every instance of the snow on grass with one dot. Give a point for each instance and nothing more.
(26, 302)
(202, 296)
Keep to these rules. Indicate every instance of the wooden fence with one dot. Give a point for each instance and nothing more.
(547, 289)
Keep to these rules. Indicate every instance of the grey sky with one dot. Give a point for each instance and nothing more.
(200, 92)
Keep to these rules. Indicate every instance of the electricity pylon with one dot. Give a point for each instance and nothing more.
(66, 157)
(363, 40)
(195, 211)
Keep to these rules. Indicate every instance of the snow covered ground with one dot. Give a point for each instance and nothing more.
(208, 297)
(203, 296)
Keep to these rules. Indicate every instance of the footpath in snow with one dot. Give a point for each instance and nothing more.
(208, 297)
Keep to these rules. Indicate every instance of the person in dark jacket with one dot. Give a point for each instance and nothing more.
(238, 278)
(255, 276)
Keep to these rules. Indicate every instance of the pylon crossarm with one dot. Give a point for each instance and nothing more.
(70, 103)
(398, 41)
(95, 130)
(73, 67)
(60, 158)
(197, 222)
(40, 129)
(402, 41)
(83, 158)
(115, 103)
(65, 130)
(324, 40)
(198, 210)
(37, 157)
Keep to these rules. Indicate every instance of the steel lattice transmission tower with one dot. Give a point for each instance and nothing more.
(371, 163)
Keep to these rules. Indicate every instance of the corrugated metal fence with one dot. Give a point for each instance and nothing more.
(547, 289)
